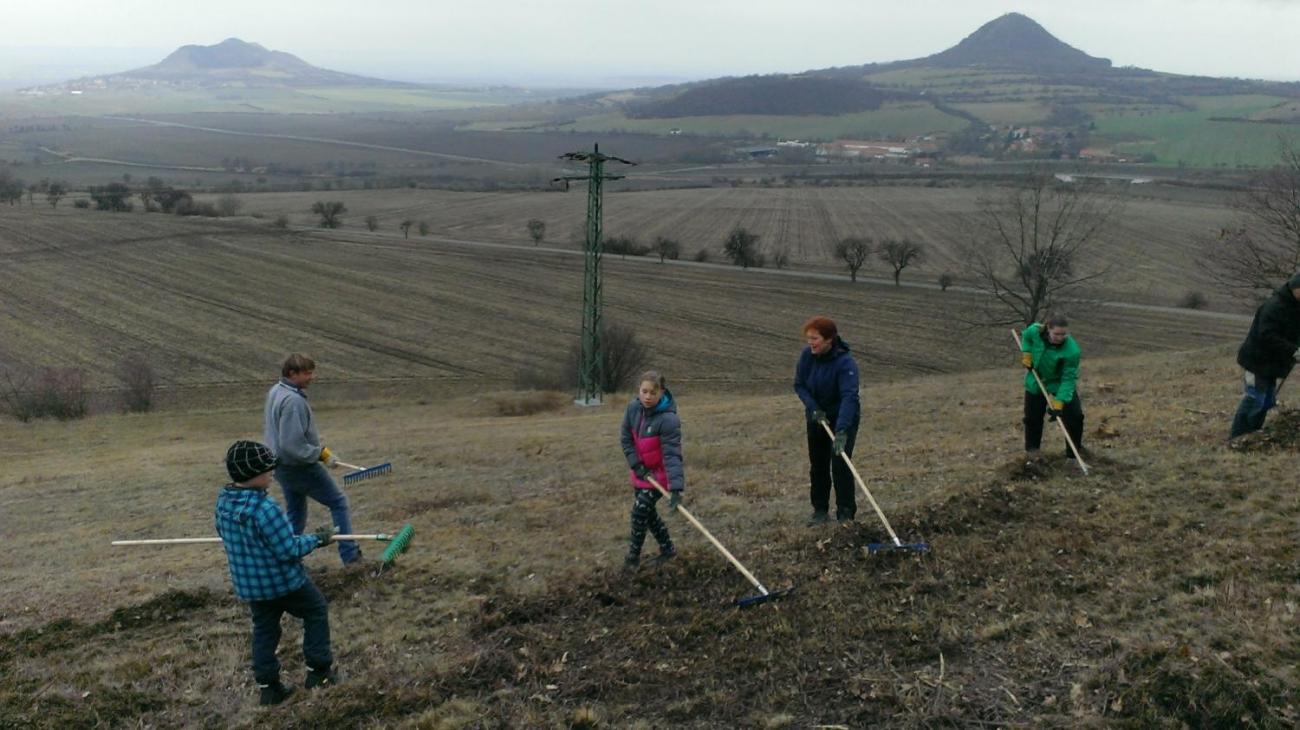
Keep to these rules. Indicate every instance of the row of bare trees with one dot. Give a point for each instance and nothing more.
(898, 254)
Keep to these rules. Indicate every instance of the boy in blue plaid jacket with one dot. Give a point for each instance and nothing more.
(265, 559)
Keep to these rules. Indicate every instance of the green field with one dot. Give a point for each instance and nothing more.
(1191, 138)
(1009, 113)
(892, 120)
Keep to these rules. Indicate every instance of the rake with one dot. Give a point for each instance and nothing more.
(364, 472)
(398, 542)
(878, 547)
(1078, 458)
(764, 594)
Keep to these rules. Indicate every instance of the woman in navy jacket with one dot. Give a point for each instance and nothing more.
(826, 380)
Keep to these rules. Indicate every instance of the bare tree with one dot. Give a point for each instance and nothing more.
(666, 248)
(741, 247)
(536, 230)
(1033, 249)
(424, 228)
(1261, 248)
(900, 254)
(330, 212)
(55, 192)
(371, 223)
(139, 380)
(854, 252)
(406, 228)
(229, 204)
(945, 280)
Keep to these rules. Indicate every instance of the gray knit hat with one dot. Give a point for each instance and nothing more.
(248, 459)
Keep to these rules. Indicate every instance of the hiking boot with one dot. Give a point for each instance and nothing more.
(818, 518)
(273, 693)
(665, 555)
(321, 678)
(843, 517)
(631, 563)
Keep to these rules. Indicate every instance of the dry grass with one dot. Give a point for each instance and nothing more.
(1158, 592)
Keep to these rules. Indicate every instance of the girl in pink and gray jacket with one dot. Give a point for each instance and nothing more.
(652, 442)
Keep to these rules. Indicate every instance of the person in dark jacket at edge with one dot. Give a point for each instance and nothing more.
(1267, 356)
(826, 380)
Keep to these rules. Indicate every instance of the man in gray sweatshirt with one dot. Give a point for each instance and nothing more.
(290, 432)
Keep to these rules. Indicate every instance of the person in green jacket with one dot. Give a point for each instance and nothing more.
(1052, 352)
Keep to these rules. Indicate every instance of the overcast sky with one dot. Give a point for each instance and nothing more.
(622, 42)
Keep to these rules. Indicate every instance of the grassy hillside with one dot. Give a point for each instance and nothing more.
(216, 305)
(1160, 591)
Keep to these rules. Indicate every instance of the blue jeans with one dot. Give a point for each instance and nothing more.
(1260, 396)
(306, 603)
(313, 480)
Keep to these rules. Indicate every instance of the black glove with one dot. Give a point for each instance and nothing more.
(640, 470)
(675, 499)
(817, 416)
(837, 445)
(325, 533)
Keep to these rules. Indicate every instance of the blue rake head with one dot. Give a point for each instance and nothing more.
(763, 597)
(902, 547)
(368, 472)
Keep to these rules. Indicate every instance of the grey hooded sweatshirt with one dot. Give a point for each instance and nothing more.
(289, 426)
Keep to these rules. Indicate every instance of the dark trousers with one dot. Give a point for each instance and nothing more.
(314, 481)
(1256, 402)
(644, 517)
(825, 468)
(306, 603)
(1036, 408)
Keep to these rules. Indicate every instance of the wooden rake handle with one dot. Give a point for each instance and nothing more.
(193, 540)
(691, 518)
(353, 467)
(1060, 421)
(858, 477)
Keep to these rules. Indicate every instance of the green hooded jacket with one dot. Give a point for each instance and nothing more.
(1057, 365)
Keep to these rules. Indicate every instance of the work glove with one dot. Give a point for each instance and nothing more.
(818, 416)
(1055, 408)
(841, 439)
(328, 457)
(640, 470)
(1027, 359)
(675, 499)
(325, 533)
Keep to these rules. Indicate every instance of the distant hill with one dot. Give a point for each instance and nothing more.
(1015, 41)
(231, 63)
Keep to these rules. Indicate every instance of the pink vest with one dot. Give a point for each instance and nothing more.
(651, 454)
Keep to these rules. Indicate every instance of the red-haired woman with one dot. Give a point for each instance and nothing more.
(826, 380)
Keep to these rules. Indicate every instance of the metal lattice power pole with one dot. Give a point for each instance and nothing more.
(590, 375)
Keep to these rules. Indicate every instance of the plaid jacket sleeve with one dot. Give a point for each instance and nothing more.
(277, 535)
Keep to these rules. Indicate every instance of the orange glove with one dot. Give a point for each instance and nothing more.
(1057, 406)
(326, 456)
(1027, 359)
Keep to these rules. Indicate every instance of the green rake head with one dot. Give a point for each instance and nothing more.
(398, 544)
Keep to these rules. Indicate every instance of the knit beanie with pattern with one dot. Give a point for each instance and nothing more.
(247, 459)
